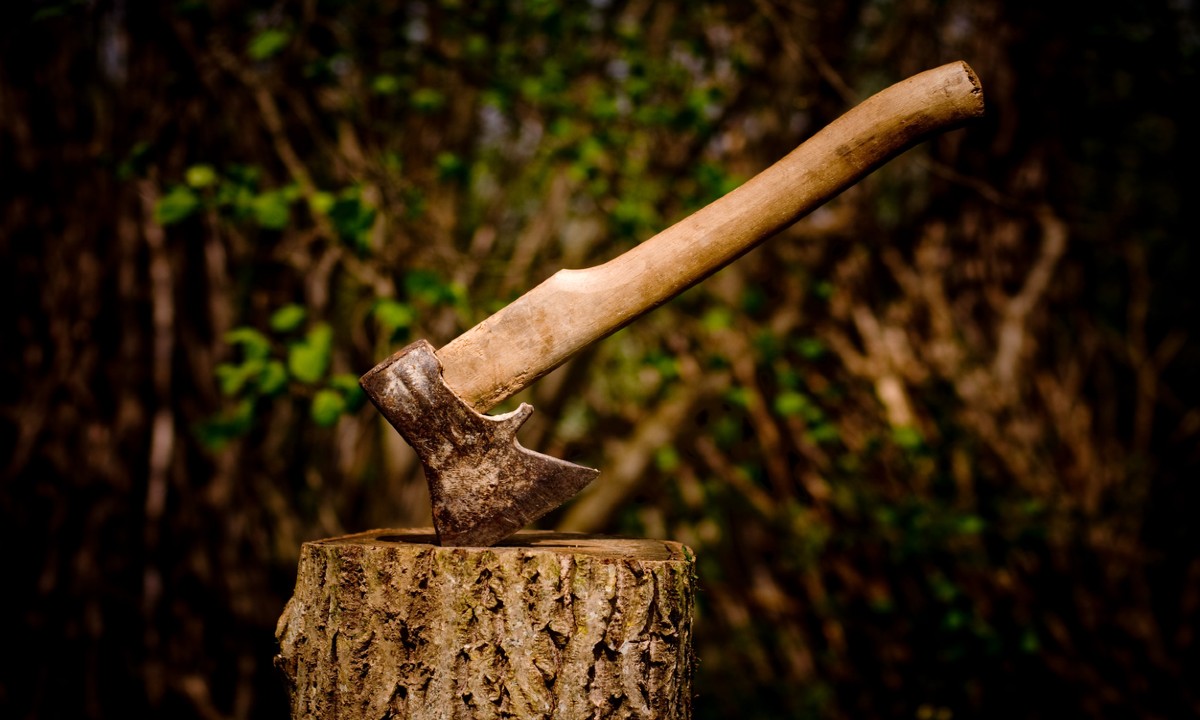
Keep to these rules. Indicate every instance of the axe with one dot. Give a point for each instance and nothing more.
(483, 485)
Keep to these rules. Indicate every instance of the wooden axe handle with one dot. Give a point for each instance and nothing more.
(574, 308)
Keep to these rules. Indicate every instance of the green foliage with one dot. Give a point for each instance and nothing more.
(347, 386)
(908, 438)
(394, 318)
(179, 203)
(327, 406)
(200, 176)
(308, 358)
(810, 348)
(351, 217)
(236, 194)
(428, 288)
(791, 403)
(273, 378)
(666, 366)
(450, 166)
(427, 99)
(53, 10)
(270, 209)
(386, 84)
(253, 344)
(269, 366)
(232, 422)
(666, 459)
(295, 358)
(268, 43)
(343, 395)
(288, 318)
(717, 318)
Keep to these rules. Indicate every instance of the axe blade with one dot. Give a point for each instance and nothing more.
(483, 485)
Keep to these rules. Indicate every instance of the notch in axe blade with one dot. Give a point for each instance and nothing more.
(484, 486)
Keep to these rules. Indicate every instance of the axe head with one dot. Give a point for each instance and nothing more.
(483, 485)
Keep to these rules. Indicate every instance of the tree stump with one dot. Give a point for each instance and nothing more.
(387, 624)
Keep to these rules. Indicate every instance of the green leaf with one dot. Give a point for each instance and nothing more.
(290, 192)
(135, 162)
(739, 396)
(450, 166)
(791, 403)
(714, 181)
(954, 620)
(352, 218)
(347, 385)
(943, 588)
(267, 43)
(231, 423)
(232, 377)
(532, 88)
(824, 433)
(428, 99)
(717, 318)
(271, 210)
(476, 46)
(1029, 641)
(428, 287)
(754, 298)
(394, 316)
(810, 348)
(392, 162)
(634, 216)
(727, 430)
(327, 406)
(308, 360)
(255, 345)
(288, 318)
(604, 107)
(666, 459)
(970, 524)
(235, 193)
(273, 378)
(49, 12)
(321, 202)
(176, 205)
(908, 437)
(200, 176)
(385, 84)
(667, 366)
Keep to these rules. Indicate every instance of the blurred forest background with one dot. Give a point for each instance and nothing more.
(937, 446)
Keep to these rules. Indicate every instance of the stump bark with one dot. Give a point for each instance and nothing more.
(387, 624)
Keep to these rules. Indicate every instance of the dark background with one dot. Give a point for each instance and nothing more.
(935, 446)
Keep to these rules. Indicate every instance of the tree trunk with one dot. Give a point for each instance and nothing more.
(387, 624)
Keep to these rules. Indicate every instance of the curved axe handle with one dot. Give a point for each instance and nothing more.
(574, 308)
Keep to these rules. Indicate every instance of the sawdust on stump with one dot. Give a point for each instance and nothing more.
(387, 624)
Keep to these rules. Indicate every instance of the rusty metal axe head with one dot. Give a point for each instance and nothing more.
(483, 485)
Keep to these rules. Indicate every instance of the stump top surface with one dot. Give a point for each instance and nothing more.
(525, 541)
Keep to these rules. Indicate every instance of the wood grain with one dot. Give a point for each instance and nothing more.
(387, 624)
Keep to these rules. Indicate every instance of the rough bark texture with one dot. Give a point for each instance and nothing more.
(387, 624)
